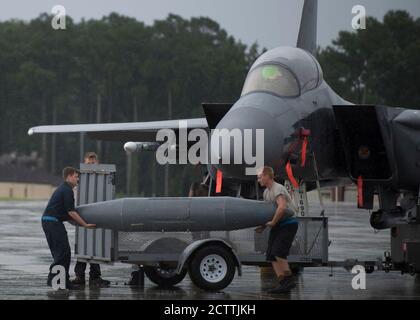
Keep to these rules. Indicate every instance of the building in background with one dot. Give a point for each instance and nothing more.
(22, 178)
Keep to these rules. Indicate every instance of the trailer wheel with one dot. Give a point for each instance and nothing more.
(164, 276)
(212, 268)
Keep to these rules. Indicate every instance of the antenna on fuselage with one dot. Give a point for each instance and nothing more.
(308, 27)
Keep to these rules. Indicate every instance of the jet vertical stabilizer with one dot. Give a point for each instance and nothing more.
(308, 27)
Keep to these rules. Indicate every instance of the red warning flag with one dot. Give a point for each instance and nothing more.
(219, 181)
(360, 201)
(290, 175)
(304, 149)
(304, 134)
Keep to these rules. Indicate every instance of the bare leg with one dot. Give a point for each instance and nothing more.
(283, 272)
(284, 266)
(278, 270)
(281, 268)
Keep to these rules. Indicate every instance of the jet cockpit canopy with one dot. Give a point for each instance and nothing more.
(285, 72)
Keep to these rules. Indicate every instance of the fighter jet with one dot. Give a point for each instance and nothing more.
(311, 134)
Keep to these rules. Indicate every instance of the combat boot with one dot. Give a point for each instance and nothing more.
(285, 286)
(99, 283)
(79, 281)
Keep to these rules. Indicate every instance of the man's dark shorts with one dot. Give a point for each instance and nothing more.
(280, 241)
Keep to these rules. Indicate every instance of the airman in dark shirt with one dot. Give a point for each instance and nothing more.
(60, 208)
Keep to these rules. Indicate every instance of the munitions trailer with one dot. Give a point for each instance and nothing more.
(210, 258)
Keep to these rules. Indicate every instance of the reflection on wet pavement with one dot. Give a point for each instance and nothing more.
(25, 258)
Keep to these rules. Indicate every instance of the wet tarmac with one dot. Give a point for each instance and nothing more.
(25, 258)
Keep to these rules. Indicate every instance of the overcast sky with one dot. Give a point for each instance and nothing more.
(269, 22)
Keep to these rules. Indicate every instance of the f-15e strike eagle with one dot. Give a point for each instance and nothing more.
(311, 134)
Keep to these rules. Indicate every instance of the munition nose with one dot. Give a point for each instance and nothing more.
(246, 137)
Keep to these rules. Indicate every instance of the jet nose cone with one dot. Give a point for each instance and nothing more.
(244, 140)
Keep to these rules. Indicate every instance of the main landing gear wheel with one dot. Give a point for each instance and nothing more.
(212, 268)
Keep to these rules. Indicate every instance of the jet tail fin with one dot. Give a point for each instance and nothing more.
(308, 27)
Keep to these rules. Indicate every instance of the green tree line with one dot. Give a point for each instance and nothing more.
(115, 69)
(378, 65)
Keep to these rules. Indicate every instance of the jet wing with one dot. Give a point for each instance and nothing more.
(131, 131)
